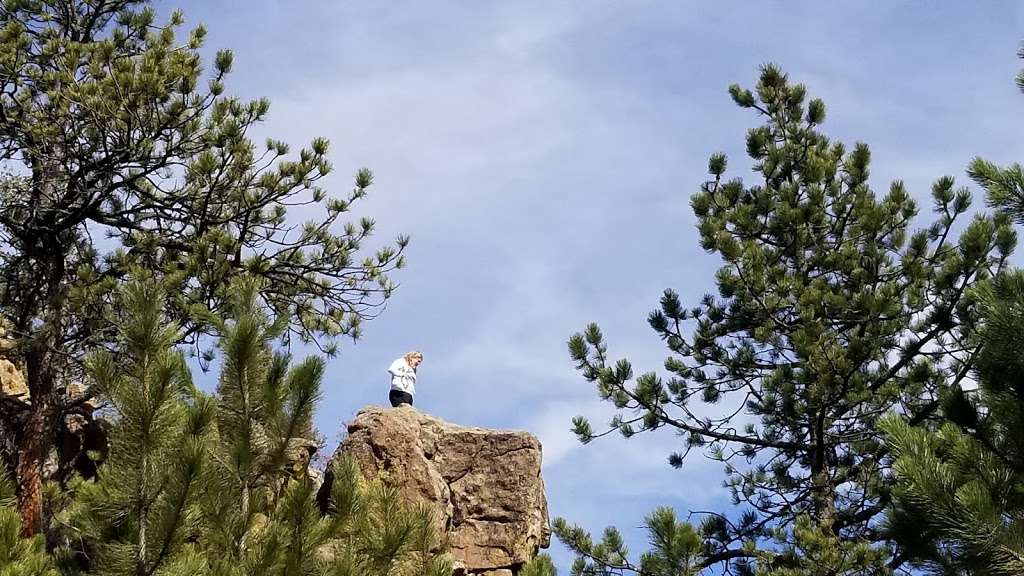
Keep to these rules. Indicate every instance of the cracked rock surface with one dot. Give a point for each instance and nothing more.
(484, 485)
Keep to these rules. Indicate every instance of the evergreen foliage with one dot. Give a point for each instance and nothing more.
(539, 566)
(961, 489)
(830, 313)
(262, 407)
(139, 515)
(197, 484)
(19, 556)
(676, 548)
(813, 549)
(960, 494)
(124, 155)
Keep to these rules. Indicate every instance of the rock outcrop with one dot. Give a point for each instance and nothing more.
(12, 383)
(484, 485)
(81, 435)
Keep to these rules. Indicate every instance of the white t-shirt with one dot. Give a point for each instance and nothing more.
(403, 376)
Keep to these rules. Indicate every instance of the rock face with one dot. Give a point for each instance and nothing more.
(12, 383)
(485, 485)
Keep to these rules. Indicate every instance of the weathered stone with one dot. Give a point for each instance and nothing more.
(6, 342)
(298, 455)
(76, 423)
(484, 485)
(12, 382)
(298, 461)
(76, 390)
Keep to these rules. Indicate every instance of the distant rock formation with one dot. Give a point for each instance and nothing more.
(81, 436)
(485, 485)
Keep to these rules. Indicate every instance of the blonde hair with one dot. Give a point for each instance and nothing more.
(413, 354)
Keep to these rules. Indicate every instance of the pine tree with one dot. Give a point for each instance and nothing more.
(262, 408)
(256, 521)
(198, 484)
(140, 516)
(676, 548)
(372, 532)
(811, 548)
(961, 485)
(19, 556)
(830, 313)
(124, 154)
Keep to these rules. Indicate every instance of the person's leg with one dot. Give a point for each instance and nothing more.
(395, 397)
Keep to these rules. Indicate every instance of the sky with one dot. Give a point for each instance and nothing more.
(542, 156)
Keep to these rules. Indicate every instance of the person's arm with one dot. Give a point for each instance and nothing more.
(401, 368)
(396, 368)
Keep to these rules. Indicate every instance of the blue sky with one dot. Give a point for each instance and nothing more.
(542, 155)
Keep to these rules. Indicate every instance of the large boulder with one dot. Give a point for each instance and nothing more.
(484, 485)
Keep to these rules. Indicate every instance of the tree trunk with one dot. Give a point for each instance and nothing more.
(823, 496)
(36, 441)
(47, 252)
(33, 448)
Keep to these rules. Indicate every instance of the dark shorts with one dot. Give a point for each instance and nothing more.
(397, 398)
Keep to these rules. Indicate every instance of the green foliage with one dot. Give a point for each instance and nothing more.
(959, 497)
(830, 312)
(139, 515)
(1020, 75)
(369, 531)
(676, 548)
(373, 533)
(198, 484)
(961, 489)
(812, 550)
(163, 164)
(263, 407)
(124, 155)
(539, 566)
(19, 556)
(1004, 185)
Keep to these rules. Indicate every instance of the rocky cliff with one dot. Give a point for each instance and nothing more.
(485, 485)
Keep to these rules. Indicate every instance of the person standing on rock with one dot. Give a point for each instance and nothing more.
(403, 378)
